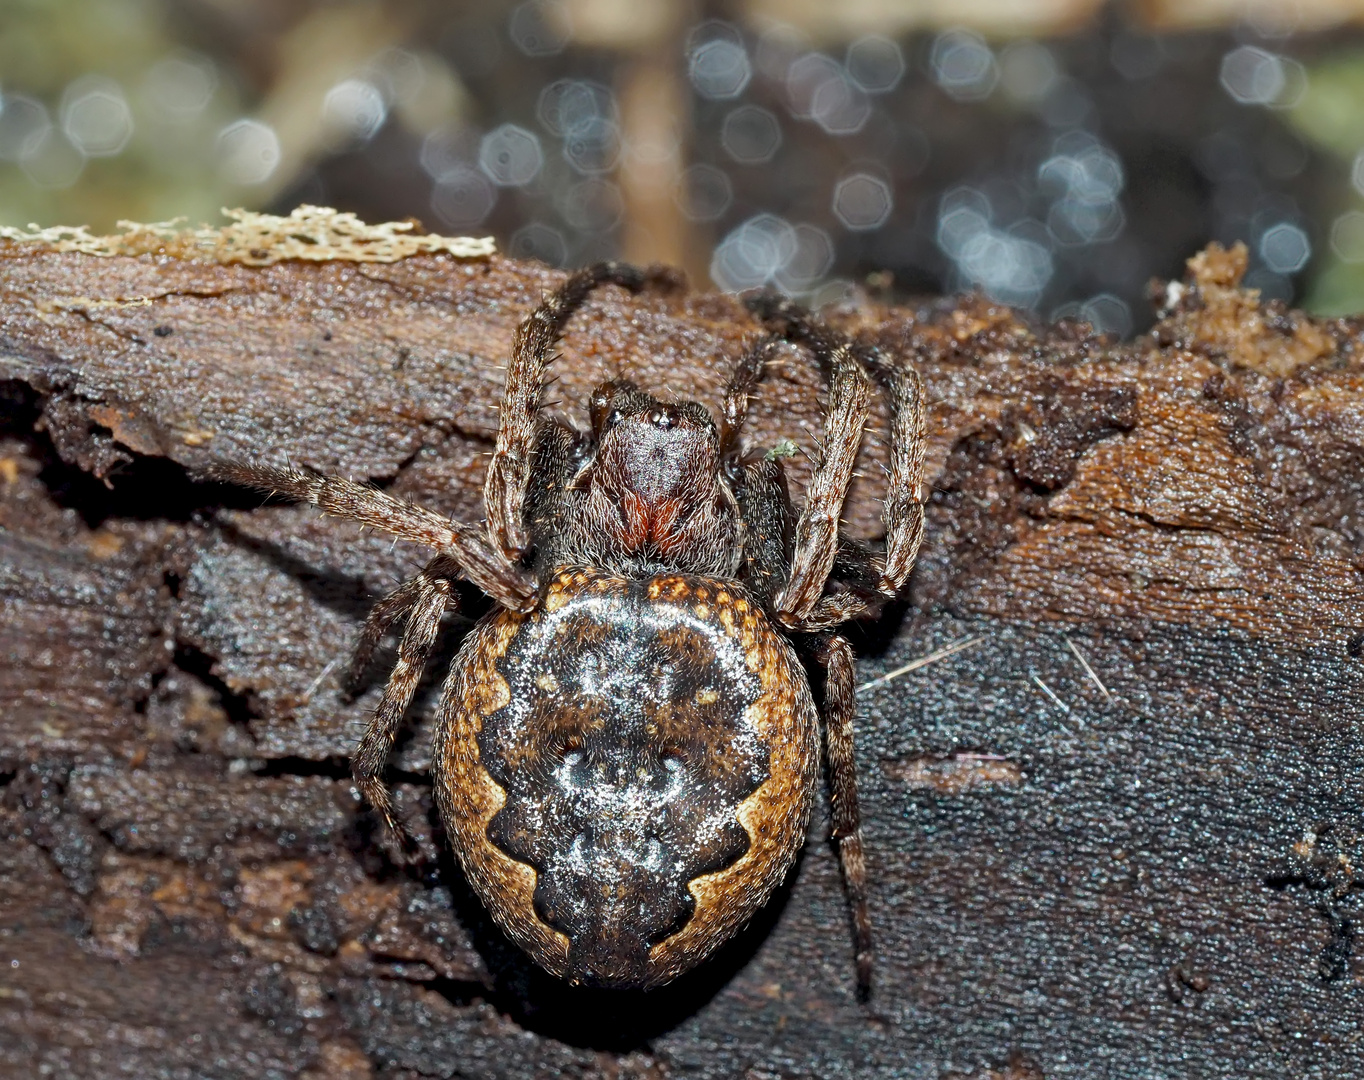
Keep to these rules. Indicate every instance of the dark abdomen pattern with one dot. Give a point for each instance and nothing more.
(626, 773)
(626, 748)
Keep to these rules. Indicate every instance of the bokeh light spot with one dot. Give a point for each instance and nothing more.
(449, 150)
(1010, 266)
(53, 161)
(963, 65)
(804, 77)
(1027, 71)
(24, 124)
(751, 135)
(719, 68)
(808, 262)
(96, 117)
(963, 214)
(839, 107)
(1086, 177)
(704, 193)
(539, 241)
(1347, 236)
(1072, 222)
(591, 205)
(1356, 172)
(536, 30)
(593, 147)
(1285, 248)
(463, 197)
(1253, 76)
(754, 253)
(354, 109)
(567, 106)
(248, 152)
(1108, 314)
(862, 202)
(875, 64)
(510, 156)
(181, 85)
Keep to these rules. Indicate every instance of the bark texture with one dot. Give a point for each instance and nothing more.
(1115, 835)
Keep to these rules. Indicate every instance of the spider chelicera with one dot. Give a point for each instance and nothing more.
(627, 746)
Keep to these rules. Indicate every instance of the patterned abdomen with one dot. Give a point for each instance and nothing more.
(630, 771)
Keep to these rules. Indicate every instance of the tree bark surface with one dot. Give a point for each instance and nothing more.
(1114, 834)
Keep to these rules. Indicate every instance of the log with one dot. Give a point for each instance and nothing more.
(1110, 746)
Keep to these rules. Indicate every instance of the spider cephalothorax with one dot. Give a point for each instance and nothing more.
(626, 748)
(649, 494)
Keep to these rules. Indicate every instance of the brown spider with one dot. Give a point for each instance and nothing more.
(627, 746)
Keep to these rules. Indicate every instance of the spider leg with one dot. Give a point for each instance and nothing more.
(840, 708)
(504, 489)
(431, 594)
(388, 610)
(903, 510)
(505, 582)
(860, 571)
(816, 542)
(381, 616)
(903, 507)
(748, 372)
(765, 509)
(759, 485)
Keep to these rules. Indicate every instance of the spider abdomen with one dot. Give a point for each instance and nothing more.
(627, 771)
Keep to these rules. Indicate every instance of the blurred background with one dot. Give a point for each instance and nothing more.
(1054, 154)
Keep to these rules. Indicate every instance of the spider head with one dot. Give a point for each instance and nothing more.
(657, 465)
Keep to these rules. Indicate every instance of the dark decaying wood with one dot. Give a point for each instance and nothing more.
(1114, 836)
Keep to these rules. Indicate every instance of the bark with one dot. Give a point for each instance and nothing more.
(1114, 835)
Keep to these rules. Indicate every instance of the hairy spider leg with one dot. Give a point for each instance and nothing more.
(902, 510)
(765, 509)
(508, 584)
(855, 565)
(801, 604)
(840, 709)
(743, 381)
(381, 616)
(509, 471)
(391, 608)
(431, 595)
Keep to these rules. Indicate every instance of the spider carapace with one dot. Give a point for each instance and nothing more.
(627, 745)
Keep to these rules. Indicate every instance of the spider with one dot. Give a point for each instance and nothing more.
(627, 746)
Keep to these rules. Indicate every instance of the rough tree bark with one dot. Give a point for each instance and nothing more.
(1115, 835)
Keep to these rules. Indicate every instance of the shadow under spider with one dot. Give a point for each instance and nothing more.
(872, 638)
(345, 594)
